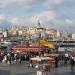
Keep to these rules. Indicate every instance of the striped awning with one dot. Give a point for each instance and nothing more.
(28, 48)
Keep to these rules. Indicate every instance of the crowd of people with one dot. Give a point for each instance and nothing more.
(11, 57)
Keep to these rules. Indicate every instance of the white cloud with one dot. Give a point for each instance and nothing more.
(29, 4)
(50, 4)
(18, 3)
(32, 21)
(69, 21)
(43, 17)
(47, 19)
(15, 20)
(4, 23)
(48, 15)
(2, 18)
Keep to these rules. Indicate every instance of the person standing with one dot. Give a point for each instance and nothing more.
(56, 61)
(66, 58)
(72, 62)
(20, 58)
(9, 58)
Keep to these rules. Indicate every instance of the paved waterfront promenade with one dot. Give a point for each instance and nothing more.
(22, 69)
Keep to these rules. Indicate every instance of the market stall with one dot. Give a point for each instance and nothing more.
(44, 61)
(45, 64)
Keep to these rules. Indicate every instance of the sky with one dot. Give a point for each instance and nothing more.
(57, 14)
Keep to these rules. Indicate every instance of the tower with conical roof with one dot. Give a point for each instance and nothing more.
(40, 30)
(39, 25)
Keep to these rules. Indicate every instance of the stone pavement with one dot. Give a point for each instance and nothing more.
(22, 69)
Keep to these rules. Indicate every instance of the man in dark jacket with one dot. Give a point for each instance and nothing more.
(72, 63)
(56, 61)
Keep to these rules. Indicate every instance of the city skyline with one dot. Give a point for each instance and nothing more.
(58, 14)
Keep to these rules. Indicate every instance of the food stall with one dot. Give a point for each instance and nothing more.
(45, 64)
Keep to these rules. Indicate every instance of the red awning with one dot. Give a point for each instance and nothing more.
(27, 48)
